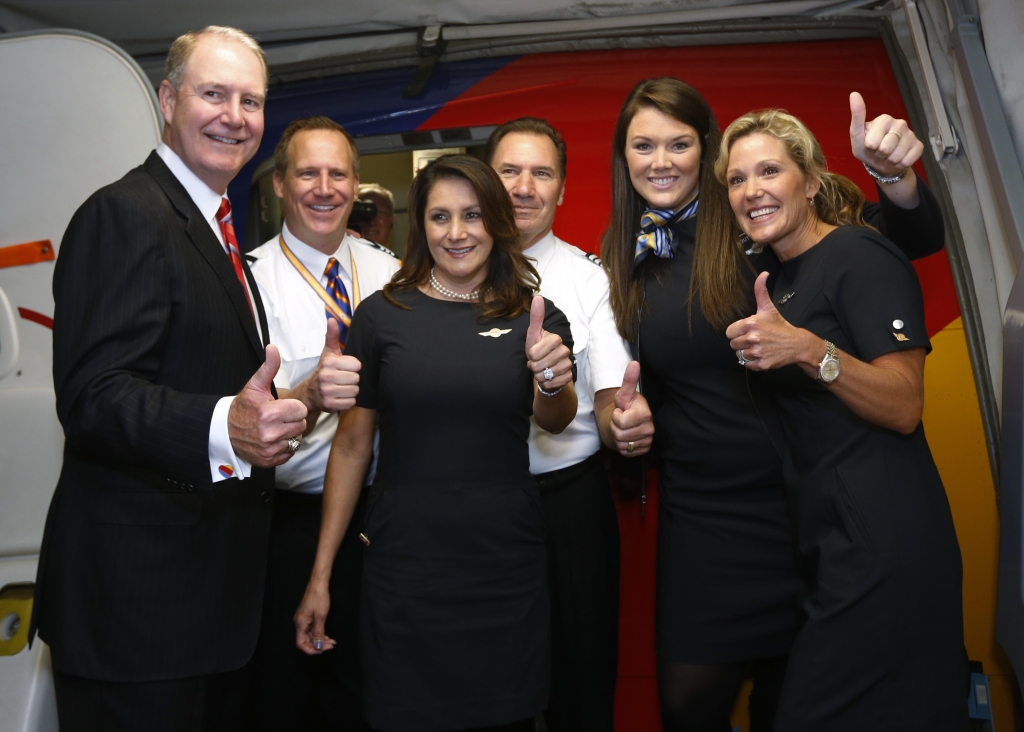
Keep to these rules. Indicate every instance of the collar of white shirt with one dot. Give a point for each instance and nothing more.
(205, 198)
(313, 259)
(542, 251)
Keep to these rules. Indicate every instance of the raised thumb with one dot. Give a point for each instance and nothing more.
(333, 331)
(858, 113)
(264, 377)
(627, 392)
(764, 300)
(536, 329)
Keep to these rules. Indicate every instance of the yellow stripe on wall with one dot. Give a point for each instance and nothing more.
(952, 422)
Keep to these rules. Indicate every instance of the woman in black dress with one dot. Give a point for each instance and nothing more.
(454, 617)
(727, 580)
(882, 647)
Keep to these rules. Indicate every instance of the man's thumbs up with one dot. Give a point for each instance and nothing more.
(334, 385)
(627, 393)
(262, 380)
(260, 426)
(331, 342)
(632, 424)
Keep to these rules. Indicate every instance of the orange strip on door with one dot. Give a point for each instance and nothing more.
(27, 253)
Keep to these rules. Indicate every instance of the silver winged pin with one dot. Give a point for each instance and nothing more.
(496, 333)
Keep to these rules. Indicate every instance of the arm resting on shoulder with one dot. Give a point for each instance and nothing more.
(909, 215)
(350, 457)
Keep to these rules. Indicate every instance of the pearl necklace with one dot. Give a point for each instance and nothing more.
(474, 295)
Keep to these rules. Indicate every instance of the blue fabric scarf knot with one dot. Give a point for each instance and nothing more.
(656, 231)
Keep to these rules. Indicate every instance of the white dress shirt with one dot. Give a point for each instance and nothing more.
(298, 326)
(220, 452)
(575, 282)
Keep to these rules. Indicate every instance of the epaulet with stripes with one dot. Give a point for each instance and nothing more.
(593, 258)
(375, 245)
(249, 258)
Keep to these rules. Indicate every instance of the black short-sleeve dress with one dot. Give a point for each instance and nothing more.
(728, 585)
(882, 647)
(454, 628)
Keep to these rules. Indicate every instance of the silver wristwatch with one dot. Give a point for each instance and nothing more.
(828, 369)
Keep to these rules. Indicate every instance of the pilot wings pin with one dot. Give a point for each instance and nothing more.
(495, 332)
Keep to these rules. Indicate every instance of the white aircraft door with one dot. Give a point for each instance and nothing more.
(76, 113)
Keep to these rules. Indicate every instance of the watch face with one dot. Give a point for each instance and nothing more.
(829, 370)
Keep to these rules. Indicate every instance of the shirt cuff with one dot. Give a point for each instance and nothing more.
(224, 463)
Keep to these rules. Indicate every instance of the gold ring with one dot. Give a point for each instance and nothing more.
(629, 446)
(898, 135)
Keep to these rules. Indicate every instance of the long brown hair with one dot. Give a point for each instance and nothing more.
(511, 279)
(839, 202)
(718, 260)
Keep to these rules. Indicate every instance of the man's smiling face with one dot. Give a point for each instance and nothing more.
(318, 188)
(214, 120)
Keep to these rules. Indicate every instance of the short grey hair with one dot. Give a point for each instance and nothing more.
(181, 49)
(380, 190)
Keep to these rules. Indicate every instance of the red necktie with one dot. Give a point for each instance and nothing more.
(226, 228)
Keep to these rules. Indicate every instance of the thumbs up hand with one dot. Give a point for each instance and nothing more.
(632, 423)
(766, 340)
(259, 426)
(885, 144)
(546, 355)
(334, 385)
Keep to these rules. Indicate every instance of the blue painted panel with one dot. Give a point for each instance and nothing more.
(366, 104)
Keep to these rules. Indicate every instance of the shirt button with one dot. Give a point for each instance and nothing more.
(265, 496)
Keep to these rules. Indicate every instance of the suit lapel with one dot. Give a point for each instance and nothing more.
(202, 236)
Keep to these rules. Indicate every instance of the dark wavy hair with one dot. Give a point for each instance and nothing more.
(718, 259)
(511, 279)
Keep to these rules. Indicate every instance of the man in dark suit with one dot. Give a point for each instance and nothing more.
(153, 559)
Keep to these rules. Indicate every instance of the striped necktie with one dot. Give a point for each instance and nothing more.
(228, 231)
(337, 291)
(656, 231)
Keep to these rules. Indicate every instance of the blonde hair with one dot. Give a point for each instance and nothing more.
(839, 201)
(309, 124)
(181, 49)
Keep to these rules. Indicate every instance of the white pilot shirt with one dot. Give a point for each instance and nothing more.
(298, 327)
(577, 283)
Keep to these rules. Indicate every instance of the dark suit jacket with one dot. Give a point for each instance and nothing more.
(148, 569)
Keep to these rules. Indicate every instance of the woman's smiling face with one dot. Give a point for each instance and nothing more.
(663, 155)
(768, 192)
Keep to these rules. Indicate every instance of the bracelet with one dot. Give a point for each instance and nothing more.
(548, 393)
(887, 180)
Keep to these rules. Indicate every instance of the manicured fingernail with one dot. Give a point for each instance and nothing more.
(318, 644)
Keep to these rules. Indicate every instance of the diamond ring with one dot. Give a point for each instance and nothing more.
(293, 444)
(548, 374)
(739, 355)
